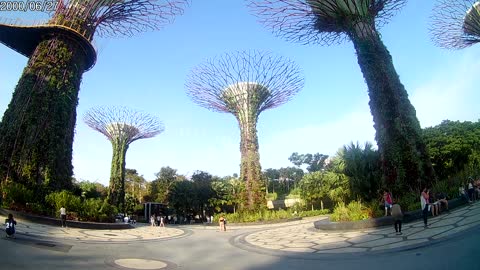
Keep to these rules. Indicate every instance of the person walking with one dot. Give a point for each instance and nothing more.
(424, 202)
(221, 222)
(162, 221)
(152, 220)
(10, 224)
(63, 216)
(397, 217)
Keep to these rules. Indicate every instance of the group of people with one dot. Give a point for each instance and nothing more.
(157, 221)
(470, 191)
(428, 202)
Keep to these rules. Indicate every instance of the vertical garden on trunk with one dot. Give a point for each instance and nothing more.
(121, 126)
(245, 84)
(37, 129)
(405, 161)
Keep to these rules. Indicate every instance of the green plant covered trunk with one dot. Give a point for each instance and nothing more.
(37, 129)
(116, 191)
(405, 161)
(250, 169)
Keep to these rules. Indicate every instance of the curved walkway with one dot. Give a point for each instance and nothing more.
(295, 238)
(142, 232)
(305, 239)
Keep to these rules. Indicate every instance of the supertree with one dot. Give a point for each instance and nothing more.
(456, 23)
(37, 129)
(405, 161)
(245, 84)
(121, 126)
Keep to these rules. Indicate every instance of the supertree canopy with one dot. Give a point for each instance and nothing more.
(406, 163)
(37, 129)
(456, 23)
(121, 126)
(245, 84)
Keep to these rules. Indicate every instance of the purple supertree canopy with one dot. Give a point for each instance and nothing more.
(235, 81)
(455, 23)
(123, 123)
(324, 22)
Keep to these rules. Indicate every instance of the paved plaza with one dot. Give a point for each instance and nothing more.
(143, 247)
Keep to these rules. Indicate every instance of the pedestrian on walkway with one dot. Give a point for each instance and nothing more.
(10, 224)
(158, 220)
(397, 217)
(152, 220)
(63, 216)
(162, 221)
(222, 222)
(471, 190)
(424, 202)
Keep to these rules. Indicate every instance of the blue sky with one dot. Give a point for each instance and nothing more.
(147, 72)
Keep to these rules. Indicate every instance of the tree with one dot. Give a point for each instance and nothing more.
(121, 126)
(182, 196)
(312, 189)
(245, 84)
(160, 188)
(135, 184)
(403, 152)
(315, 162)
(91, 189)
(453, 145)
(362, 166)
(37, 129)
(202, 184)
(455, 23)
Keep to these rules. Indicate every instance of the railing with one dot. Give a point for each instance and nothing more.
(45, 23)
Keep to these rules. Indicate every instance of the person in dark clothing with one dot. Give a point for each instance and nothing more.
(10, 224)
(397, 217)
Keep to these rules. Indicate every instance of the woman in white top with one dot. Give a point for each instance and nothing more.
(424, 201)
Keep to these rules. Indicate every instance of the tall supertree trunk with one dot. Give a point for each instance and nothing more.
(37, 129)
(116, 192)
(405, 160)
(250, 169)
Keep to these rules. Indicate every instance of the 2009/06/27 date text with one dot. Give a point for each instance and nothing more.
(27, 5)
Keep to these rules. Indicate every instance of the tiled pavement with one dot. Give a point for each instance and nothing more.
(297, 237)
(305, 238)
(140, 233)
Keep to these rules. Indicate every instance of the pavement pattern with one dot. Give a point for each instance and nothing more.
(304, 238)
(296, 237)
(141, 232)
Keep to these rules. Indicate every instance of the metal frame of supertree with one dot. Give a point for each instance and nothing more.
(37, 130)
(121, 126)
(455, 24)
(405, 161)
(245, 83)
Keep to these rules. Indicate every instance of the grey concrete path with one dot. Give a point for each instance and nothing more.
(297, 239)
(304, 238)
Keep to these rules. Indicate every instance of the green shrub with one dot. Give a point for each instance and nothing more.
(16, 195)
(354, 211)
(449, 187)
(410, 202)
(272, 196)
(313, 213)
(64, 198)
(375, 209)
